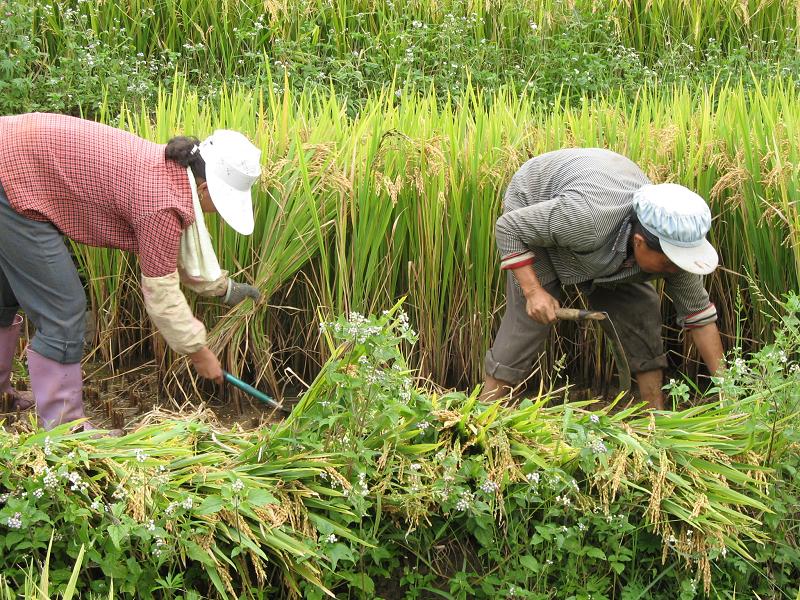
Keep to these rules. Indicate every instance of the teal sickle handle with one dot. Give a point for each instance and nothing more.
(250, 390)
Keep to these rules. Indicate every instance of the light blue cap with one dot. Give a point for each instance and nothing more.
(680, 219)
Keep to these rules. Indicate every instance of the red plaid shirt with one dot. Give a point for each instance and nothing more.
(98, 185)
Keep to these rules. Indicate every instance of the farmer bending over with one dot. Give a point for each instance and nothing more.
(591, 218)
(100, 186)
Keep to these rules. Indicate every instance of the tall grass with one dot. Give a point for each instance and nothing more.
(353, 213)
(647, 25)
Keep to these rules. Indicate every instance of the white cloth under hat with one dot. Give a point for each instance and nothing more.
(233, 165)
(196, 256)
(680, 219)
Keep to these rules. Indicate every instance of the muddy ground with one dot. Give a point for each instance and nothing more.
(125, 400)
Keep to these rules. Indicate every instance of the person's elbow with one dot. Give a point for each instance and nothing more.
(502, 227)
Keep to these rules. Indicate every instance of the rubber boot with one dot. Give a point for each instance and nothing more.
(8, 348)
(57, 390)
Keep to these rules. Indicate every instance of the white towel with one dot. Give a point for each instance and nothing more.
(196, 256)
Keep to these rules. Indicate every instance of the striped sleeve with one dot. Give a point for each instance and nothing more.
(692, 304)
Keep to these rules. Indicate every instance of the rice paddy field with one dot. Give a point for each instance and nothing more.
(389, 131)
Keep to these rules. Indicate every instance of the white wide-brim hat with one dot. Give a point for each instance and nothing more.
(680, 219)
(233, 165)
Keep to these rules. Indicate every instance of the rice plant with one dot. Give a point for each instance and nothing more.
(356, 212)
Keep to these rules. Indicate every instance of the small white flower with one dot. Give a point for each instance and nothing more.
(75, 479)
(564, 500)
(140, 455)
(423, 425)
(237, 486)
(331, 539)
(415, 466)
(489, 486)
(533, 478)
(97, 506)
(187, 503)
(50, 479)
(151, 525)
(38, 492)
(15, 522)
(594, 419)
(599, 447)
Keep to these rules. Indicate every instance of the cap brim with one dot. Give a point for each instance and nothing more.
(700, 260)
(234, 206)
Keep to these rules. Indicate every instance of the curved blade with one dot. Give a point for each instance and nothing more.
(623, 370)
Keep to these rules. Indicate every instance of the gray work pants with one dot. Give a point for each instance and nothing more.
(38, 275)
(634, 308)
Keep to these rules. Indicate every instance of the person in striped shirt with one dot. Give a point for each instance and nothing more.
(591, 218)
(104, 187)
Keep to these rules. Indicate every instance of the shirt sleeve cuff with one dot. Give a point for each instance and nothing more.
(218, 287)
(516, 260)
(699, 318)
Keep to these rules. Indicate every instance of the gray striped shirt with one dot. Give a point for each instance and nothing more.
(568, 213)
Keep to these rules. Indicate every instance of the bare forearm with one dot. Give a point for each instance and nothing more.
(527, 279)
(709, 345)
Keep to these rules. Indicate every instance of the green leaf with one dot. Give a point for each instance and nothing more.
(339, 552)
(210, 505)
(529, 562)
(360, 581)
(117, 533)
(595, 553)
(198, 553)
(260, 497)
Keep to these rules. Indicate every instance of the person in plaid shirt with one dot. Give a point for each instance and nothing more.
(591, 218)
(104, 187)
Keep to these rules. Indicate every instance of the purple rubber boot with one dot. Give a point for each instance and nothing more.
(8, 348)
(57, 390)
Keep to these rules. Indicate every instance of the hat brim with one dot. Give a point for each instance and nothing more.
(233, 205)
(700, 260)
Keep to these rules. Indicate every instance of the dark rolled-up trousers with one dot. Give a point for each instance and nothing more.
(37, 274)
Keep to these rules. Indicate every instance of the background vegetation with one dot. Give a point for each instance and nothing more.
(75, 54)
